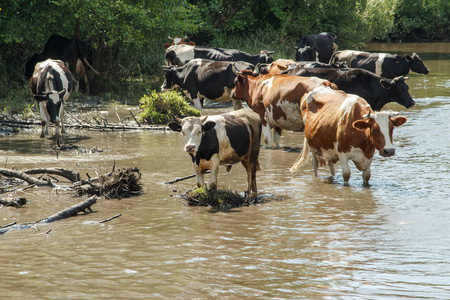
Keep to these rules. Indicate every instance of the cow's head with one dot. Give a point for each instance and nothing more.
(398, 90)
(171, 79)
(307, 53)
(416, 64)
(264, 57)
(241, 87)
(193, 129)
(379, 129)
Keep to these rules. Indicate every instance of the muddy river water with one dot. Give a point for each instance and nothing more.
(323, 240)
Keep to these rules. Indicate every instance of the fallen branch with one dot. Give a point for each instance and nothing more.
(84, 206)
(25, 177)
(112, 218)
(68, 174)
(95, 127)
(16, 202)
(139, 124)
(182, 178)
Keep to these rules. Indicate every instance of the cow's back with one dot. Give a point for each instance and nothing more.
(328, 115)
(238, 134)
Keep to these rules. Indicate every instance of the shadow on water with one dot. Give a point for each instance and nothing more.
(37, 145)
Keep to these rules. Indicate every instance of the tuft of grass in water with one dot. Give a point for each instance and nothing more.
(160, 108)
(222, 198)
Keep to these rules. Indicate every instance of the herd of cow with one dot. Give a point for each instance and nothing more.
(335, 97)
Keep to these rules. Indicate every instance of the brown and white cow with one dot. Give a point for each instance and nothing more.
(178, 41)
(51, 84)
(343, 127)
(224, 139)
(276, 98)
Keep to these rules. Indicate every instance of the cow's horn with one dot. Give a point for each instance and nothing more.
(406, 78)
(204, 119)
(170, 38)
(235, 70)
(256, 71)
(185, 36)
(368, 115)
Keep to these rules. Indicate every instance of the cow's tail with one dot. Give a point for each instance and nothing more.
(81, 55)
(89, 65)
(302, 159)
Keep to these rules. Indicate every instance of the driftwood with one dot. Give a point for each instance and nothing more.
(115, 184)
(84, 206)
(109, 219)
(68, 174)
(25, 177)
(183, 178)
(81, 125)
(16, 202)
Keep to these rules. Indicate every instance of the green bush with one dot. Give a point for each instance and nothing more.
(161, 108)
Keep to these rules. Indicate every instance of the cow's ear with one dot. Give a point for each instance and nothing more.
(386, 83)
(174, 126)
(208, 125)
(361, 124)
(398, 121)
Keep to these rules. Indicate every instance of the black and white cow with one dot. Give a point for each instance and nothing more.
(316, 47)
(376, 90)
(202, 78)
(67, 50)
(225, 140)
(179, 55)
(51, 84)
(382, 64)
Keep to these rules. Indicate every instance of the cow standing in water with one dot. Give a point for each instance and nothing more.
(382, 64)
(51, 84)
(224, 139)
(342, 127)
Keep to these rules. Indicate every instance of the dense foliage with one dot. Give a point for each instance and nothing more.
(125, 36)
(161, 108)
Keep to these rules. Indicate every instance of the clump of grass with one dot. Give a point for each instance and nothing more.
(160, 108)
(221, 198)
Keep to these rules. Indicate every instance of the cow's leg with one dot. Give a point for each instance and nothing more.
(86, 83)
(199, 177)
(214, 171)
(345, 168)
(237, 104)
(267, 135)
(366, 175)
(63, 129)
(315, 163)
(331, 166)
(250, 167)
(197, 103)
(45, 118)
(277, 136)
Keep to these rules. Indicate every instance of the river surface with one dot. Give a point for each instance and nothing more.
(323, 240)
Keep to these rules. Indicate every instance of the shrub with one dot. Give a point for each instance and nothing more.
(161, 108)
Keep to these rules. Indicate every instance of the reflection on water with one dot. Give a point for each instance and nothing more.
(324, 240)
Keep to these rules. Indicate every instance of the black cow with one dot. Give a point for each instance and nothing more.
(316, 64)
(51, 84)
(222, 140)
(66, 50)
(202, 78)
(179, 55)
(377, 91)
(382, 64)
(317, 47)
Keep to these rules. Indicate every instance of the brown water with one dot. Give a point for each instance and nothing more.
(322, 241)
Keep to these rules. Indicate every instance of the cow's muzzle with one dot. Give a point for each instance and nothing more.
(190, 148)
(387, 152)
